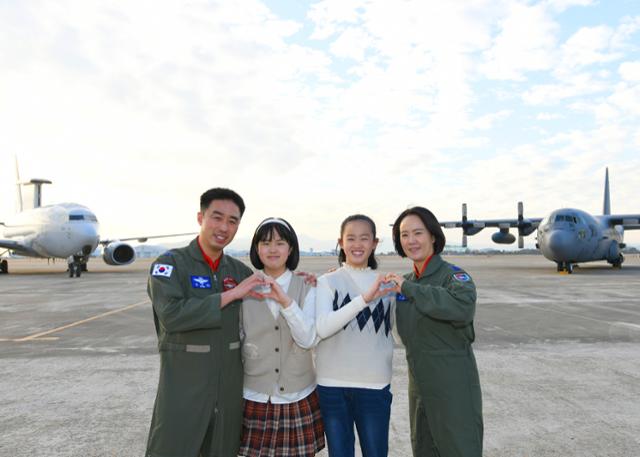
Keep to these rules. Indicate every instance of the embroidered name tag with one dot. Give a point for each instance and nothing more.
(400, 297)
(201, 282)
(462, 277)
(160, 269)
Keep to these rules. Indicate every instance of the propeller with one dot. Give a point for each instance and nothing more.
(520, 222)
(525, 226)
(469, 228)
(464, 225)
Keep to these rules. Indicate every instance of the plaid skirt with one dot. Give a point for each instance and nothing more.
(281, 430)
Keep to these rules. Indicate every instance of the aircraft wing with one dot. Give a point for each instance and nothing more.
(18, 248)
(524, 226)
(628, 221)
(143, 239)
(499, 223)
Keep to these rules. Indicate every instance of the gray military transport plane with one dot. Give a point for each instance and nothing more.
(566, 236)
(62, 231)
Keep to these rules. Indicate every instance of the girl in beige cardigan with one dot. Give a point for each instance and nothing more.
(282, 412)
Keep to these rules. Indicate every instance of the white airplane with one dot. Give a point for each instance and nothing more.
(567, 236)
(62, 231)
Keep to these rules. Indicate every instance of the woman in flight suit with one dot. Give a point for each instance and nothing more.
(435, 307)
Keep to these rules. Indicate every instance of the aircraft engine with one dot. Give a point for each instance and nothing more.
(472, 230)
(118, 253)
(503, 237)
(614, 254)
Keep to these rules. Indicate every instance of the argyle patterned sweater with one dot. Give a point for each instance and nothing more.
(356, 342)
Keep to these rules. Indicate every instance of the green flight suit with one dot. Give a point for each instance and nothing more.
(198, 407)
(434, 317)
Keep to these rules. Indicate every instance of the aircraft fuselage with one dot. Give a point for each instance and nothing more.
(55, 231)
(570, 236)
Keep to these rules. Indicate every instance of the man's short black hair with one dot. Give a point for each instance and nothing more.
(221, 193)
(429, 221)
(264, 232)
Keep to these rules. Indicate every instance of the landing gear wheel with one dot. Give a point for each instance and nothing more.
(83, 266)
(560, 267)
(569, 267)
(618, 263)
(4, 267)
(75, 269)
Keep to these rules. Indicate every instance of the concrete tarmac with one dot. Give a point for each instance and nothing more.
(558, 354)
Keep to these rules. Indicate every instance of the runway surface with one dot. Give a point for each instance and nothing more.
(559, 358)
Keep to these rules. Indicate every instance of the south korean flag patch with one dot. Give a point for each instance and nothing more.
(462, 277)
(160, 269)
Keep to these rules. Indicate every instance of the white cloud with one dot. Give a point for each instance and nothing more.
(548, 116)
(575, 86)
(627, 99)
(562, 5)
(352, 43)
(488, 120)
(622, 38)
(589, 45)
(630, 71)
(526, 42)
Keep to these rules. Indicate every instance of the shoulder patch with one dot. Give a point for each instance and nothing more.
(400, 297)
(462, 277)
(455, 268)
(161, 269)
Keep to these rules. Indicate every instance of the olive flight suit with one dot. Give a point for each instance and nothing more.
(434, 315)
(198, 407)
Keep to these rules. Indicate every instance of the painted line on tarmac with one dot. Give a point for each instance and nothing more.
(38, 336)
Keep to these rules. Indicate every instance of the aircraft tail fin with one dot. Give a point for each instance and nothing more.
(29, 197)
(606, 207)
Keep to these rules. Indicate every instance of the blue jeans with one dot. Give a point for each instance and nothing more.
(369, 409)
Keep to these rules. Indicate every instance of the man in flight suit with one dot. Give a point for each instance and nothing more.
(196, 292)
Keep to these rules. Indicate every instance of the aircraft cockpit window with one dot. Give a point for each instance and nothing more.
(82, 217)
(565, 218)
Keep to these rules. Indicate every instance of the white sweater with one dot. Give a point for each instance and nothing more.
(356, 342)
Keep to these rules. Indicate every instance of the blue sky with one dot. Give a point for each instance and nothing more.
(317, 110)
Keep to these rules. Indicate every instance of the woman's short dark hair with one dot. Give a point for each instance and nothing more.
(221, 193)
(264, 232)
(342, 256)
(429, 221)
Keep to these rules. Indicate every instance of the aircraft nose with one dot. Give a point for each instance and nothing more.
(559, 243)
(86, 235)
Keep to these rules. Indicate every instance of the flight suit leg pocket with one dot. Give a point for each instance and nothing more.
(180, 415)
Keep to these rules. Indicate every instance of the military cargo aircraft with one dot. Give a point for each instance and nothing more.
(567, 236)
